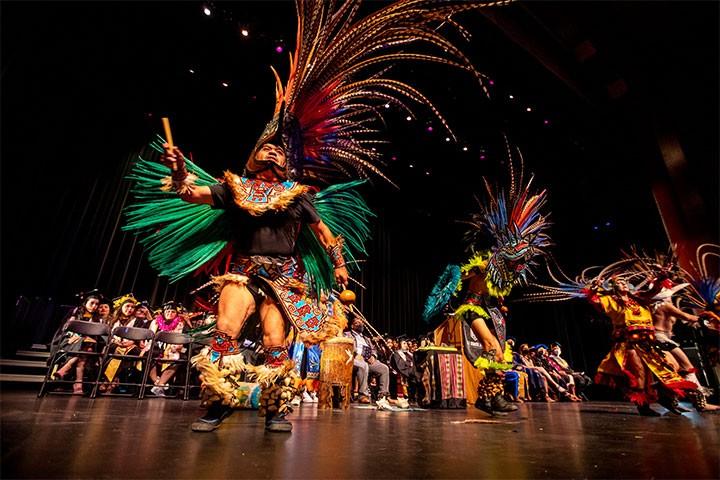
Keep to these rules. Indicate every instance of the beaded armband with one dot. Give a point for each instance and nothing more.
(335, 252)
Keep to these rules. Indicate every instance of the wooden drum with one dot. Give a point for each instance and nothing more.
(336, 368)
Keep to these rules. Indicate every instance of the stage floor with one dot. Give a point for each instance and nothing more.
(74, 437)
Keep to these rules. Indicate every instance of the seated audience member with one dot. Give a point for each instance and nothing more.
(516, 380)
(553, 382)
(366, 363)
(161, 373)
(563, 379)
(538, 382)
(72, 342)
(408, 376)
(104, 311)
(118, 370)
(143, 317)
(580, 380)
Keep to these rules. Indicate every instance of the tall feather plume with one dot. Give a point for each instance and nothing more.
(704, 291)
(338, 78)
(512, 219)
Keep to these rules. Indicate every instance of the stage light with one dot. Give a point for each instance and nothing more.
(207, 11)
(279, 49)
(596, 228)
(608, 224)
(244, 32)
(482, 156)
(394, 157)
(465, 149)
(191, 70)
(408, 118)
(411, 166)
(546, 122)
(225, 84)
(528, 109)
(491, 82)
(447, 139)
(511, 97)
(429, 128)
(427, 172)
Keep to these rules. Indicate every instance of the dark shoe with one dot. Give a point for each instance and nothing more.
(277, 423)
(486, 406)
(212, 419)
(646, 411)
(672, 405)
(499, 404)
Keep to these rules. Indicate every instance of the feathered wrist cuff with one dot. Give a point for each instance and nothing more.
(180, 185)
(335, 252)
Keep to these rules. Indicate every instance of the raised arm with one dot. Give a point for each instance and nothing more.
(181, 180)
(671, 309)
(334, 248)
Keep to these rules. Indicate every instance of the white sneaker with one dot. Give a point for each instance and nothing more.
(295, 401)
(158, 391)
(383, 404)
(306, 398)
(402, 403)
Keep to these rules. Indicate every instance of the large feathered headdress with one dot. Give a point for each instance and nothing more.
(512, 219)
(648, 277)
(327, 112)
(704, 292)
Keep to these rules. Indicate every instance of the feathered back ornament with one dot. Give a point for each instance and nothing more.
(327, 112)
(512, 218)
(704, 292)
(644, 276)
(443, 290)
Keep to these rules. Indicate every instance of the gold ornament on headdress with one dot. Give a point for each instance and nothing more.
(118, 302)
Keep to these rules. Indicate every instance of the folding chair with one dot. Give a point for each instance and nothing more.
(169, 338)
(136, 335)
(83, 328)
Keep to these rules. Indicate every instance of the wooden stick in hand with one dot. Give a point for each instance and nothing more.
(168, 137)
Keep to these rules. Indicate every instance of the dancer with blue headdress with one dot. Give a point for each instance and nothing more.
(513, 231)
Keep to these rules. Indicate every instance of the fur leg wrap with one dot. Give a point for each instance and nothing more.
(492, 384)
(222, 374)
(223, 379)
(275, 397)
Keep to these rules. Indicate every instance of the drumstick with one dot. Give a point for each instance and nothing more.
(168, 137)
